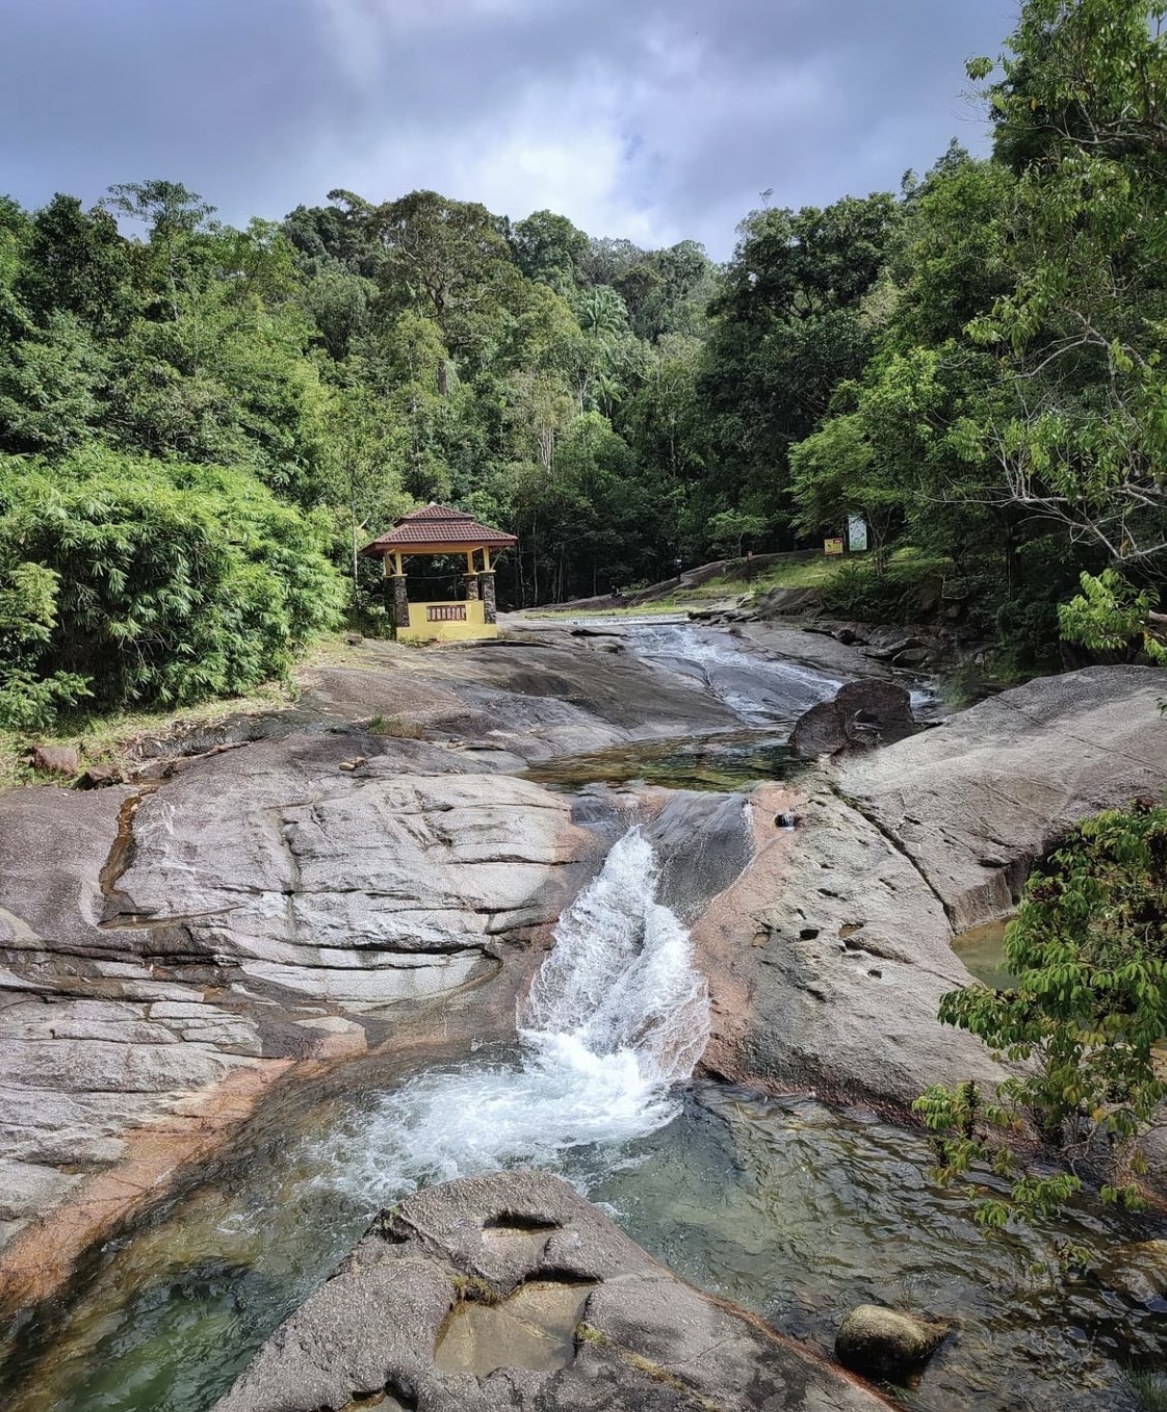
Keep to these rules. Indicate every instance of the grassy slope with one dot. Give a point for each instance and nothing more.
(798, 573)
(110, 739)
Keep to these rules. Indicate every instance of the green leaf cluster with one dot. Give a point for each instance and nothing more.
(975, 365)
(132, 581)
(1088, 953)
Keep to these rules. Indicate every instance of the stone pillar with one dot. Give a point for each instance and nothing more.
(486, 593)
(400, 602)
(471, 583)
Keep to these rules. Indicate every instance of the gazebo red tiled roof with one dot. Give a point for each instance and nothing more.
(434, 529)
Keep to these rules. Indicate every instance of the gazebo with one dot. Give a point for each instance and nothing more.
(436, 529)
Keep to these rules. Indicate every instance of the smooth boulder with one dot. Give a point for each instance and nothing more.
(885, 1343)
(511, 1291)
(863, 714)
(828, 957)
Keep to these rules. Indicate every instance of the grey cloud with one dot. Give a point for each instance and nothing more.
(260, 104)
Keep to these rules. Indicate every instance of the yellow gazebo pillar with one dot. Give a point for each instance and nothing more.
(395, 570)
(486, 588)
(470, 577)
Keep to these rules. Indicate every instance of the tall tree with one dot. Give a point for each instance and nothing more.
(1080, 115)
(788, 327)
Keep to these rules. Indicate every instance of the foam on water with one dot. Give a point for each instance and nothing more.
(616, 1018)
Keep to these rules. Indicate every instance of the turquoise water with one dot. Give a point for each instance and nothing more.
(789, 1208)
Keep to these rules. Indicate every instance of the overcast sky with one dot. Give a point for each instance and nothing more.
(652, 119)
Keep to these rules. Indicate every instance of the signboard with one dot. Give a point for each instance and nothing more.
(856, 533)
(832, 546)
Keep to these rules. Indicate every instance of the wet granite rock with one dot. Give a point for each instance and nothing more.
(643, 1340)
(1137, 1271)
(155, 944)
(886, 1343)
(100, 776)
(863, 714)
(248, 903)
(363, 888)
(828, 957)
(976, 802)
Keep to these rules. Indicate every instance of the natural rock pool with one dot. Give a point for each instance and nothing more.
(982, 951)
(727, 760)
(784, 1206)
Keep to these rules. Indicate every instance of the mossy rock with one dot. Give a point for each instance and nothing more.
(885, 1343)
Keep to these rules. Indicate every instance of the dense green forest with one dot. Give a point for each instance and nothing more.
(199, 425)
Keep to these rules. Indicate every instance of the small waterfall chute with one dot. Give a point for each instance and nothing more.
(617, 1017)
(620, 977)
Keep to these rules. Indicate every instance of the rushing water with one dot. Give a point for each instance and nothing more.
(759, 690)
(787, 1207)
(616, 1019)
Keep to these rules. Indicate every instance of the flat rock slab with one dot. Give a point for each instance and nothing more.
(362, 888)
(975, 802)
(389, 1321)
(157, 945)
(828, 957)
(541, 693)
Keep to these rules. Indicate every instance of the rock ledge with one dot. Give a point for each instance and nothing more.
(643, 1341)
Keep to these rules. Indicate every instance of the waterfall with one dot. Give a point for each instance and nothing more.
(620, 979)
(616, 1018)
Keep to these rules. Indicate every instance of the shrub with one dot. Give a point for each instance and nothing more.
(28, 613)
(1088, 949)
(169, 582)
(858, 591)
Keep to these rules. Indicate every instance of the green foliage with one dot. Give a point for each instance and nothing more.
(975, 366)
(788, 327)
(1149, 1390)
(28, 614)
(157, 583)
(50, 386)
(548, 248)
(895, 593)
(1088, 950)
(1110, 614)
(77, 264)
(396, 727)
(730, 528)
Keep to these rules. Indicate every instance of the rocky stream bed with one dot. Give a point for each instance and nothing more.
(245, 1007)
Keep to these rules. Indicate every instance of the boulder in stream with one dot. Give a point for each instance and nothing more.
(886, 1343)
(863, 714)
(512, 1291)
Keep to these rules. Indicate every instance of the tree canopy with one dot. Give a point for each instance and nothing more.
(974, 363)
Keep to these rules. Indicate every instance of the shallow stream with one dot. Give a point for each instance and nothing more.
(727, 760)
(786, 1207)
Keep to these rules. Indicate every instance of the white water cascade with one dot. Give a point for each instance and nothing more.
(617, 1018)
